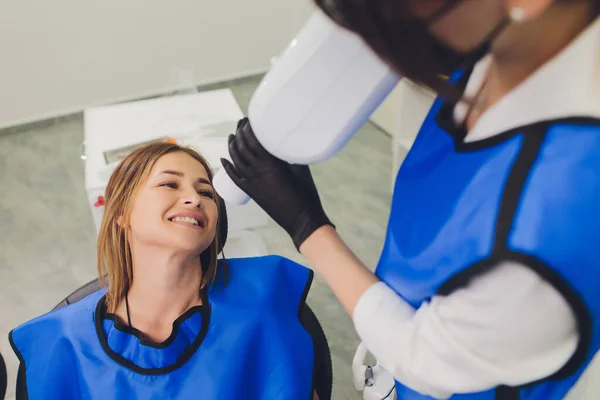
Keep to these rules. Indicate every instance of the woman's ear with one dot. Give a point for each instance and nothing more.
(121, 221)
(525, 10)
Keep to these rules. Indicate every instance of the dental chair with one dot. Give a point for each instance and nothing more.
(322, 372)
(3, 378)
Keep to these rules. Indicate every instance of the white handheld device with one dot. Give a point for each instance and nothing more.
(374, 381)
(320, 91)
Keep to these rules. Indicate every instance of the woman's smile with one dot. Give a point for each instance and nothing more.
(188, 219)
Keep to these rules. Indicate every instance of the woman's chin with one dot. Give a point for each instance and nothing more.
(192, 247)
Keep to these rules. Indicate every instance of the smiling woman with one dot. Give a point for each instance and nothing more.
(144, 195)
(174, 320)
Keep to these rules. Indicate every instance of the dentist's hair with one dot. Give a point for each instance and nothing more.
(403, 40)
(114, 253)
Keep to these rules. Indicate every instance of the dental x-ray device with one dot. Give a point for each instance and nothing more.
(316, 96)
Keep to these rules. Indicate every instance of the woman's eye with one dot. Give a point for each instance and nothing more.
(171, 185)
(207, 193)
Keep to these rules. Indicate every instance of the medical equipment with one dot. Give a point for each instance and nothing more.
(374, 381)
(316, 96)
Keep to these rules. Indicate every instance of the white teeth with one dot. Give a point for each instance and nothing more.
(186, 220)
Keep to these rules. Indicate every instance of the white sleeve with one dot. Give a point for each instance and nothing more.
(507, 327)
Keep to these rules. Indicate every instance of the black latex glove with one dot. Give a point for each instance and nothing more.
(286, 192)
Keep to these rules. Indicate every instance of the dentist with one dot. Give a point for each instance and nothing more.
(488, 286)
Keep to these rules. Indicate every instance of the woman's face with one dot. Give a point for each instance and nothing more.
(175, 207)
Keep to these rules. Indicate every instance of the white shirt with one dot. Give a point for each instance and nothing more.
(477, 337)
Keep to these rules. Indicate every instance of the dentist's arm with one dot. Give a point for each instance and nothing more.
(345, 274)
(471, 340)
(508, 326)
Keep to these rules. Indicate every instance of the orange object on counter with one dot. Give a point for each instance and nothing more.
(99, 202)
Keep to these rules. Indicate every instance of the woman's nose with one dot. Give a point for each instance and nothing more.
(195, 203)
(193, 198)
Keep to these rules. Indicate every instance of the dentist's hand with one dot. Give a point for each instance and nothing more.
(286, 192)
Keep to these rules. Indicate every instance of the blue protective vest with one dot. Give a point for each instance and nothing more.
(530, 195)
(244, 342)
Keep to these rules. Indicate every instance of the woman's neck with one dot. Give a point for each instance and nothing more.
(165, 286)
(524, 48)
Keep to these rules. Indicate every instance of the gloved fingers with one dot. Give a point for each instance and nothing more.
(233, 174)
(237, 156)
(251, 142)
(241, 139)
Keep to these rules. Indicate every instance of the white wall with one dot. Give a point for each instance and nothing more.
(59, 56)
(401, 116)
(403, 112)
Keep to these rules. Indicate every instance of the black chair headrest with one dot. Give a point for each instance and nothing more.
(223, 224)
(3, 378)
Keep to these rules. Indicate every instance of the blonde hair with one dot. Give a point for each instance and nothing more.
(114, 253)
